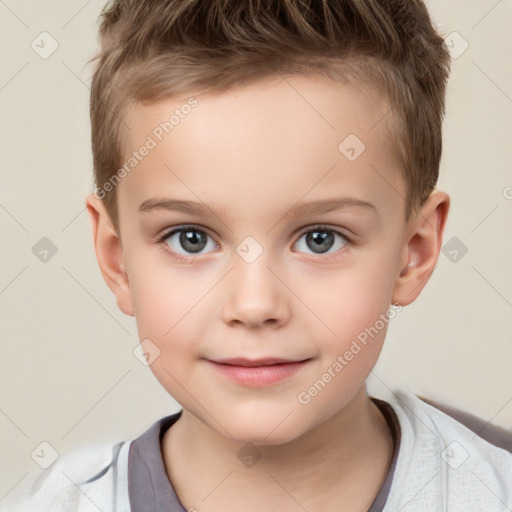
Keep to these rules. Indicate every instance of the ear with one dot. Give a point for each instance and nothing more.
(109, 253)
(425, 237)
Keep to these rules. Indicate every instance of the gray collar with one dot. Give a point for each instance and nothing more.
(151, 491)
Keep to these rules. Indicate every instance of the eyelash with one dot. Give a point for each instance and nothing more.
(187, 259)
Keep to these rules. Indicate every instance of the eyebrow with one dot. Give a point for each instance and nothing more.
(309, 208)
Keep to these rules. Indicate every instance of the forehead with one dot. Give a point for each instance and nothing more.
(269, 143)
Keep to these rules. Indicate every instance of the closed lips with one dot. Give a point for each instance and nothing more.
(257, 362)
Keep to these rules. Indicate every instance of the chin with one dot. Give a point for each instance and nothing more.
(268, 429)
(262, 438)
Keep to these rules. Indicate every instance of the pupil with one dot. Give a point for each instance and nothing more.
(322, 240)
(192, 241)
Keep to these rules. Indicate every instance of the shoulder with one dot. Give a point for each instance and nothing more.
(93, 477)
(432, 421)
(442, 460)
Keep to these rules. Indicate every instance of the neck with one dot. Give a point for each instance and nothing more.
(343, 460)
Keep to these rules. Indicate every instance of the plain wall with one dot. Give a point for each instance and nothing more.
(68, 373)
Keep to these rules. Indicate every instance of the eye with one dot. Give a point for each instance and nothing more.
(189, 239)
(186, 241)
(321, 239)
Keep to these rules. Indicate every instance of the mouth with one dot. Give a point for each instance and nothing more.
(257, 372)
(268, 361)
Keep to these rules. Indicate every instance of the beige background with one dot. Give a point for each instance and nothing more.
(68, 373)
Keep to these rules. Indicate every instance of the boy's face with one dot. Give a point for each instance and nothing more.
(259, 281)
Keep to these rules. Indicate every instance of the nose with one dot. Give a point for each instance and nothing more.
(255, 295)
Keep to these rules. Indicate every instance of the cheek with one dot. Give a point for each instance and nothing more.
(169, 308)
(354, 298)
(160, 294)
(155, 305)
(353, 309)
(166, 315)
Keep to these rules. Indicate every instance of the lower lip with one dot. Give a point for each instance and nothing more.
(258, 376)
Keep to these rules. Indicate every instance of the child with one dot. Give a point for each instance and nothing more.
(266, 129)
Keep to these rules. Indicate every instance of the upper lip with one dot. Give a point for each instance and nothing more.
(267, 361)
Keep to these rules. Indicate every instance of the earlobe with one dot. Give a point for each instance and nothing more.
(109, 253)
(422, 251)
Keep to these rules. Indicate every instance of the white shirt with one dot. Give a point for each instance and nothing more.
(442, 466)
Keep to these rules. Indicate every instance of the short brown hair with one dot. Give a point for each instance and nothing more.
(151, 50)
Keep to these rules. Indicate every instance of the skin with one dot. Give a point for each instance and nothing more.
(250, 154)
